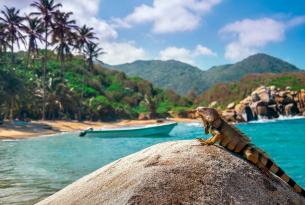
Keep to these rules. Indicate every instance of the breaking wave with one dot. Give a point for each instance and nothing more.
(280, 118)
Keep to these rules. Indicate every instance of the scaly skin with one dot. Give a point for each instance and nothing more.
(234, 140)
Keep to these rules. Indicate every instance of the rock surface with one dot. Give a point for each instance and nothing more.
(181, 172)
(267, 102)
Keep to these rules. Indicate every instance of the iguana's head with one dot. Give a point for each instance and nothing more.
(209, 116)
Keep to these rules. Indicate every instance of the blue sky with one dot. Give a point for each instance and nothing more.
(200, 32)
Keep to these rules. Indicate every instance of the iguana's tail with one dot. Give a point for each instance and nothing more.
(274, 168)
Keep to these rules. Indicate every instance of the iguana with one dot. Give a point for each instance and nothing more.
(234, 140)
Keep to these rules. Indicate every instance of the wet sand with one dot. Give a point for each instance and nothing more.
(10, 130)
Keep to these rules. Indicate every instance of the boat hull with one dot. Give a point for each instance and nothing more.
(157, 130)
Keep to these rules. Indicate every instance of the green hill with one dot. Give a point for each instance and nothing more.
(171, 74)
(184, 78)
(258, 63)
(225, 93)
(98, 94)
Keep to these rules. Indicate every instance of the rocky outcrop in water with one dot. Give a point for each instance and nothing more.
(181, 172)
(268, 103)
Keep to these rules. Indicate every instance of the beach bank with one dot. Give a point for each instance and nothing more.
(10, 130)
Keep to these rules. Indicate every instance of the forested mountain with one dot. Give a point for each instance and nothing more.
(184, 78)
(259, 63)
(171, 74)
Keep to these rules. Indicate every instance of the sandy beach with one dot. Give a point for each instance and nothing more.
(9, 130)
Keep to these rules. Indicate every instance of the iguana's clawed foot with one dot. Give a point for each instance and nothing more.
(202, 141)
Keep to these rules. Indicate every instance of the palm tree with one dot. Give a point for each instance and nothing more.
(92, 52)
(3, 41)
(46, 9)
(34, 30)
(12, 25)
(63, 35)
(61, 100)
(2, 38)
(12, 28)
(84, 36)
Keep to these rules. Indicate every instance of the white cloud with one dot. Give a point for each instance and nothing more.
(118, 53)
(204, 51)
(185, 55)
(249, 35)
(299, 20)
(86, 12)
(174, 53)
(169, 16)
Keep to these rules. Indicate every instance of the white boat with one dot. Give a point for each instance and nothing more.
(134, 131)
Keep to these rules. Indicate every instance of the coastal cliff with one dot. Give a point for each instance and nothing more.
(180, 172)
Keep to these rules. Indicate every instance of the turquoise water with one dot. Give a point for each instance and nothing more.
(33, 169)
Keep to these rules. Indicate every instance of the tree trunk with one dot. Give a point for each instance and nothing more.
(45, 59)
(82, 93)
(11, 115)
(62, 64)
(12, 97)
(29, 53)
(12, 53)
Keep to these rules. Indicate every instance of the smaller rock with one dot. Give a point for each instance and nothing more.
(249, 115)
(263, 93)
(262, 111)
(229, 115)
(260, 108)
(240, 118)
(272, 111)
(279, 99)
(272, 87)
(239, 108)
(246, 101)
(273, 93)
(213, 104)
(291, 109)
(255, 97)
(231, 105)
(282, 93)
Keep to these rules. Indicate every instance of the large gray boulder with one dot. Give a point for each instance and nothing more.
(181, 172)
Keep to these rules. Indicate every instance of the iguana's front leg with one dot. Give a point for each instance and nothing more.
(212, 140)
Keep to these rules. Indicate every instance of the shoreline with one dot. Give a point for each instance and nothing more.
(11, 131)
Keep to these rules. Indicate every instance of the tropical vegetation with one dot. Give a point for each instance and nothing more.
(57, 76)
(225, 93)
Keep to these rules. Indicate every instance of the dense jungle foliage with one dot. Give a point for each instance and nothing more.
(75, 92)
